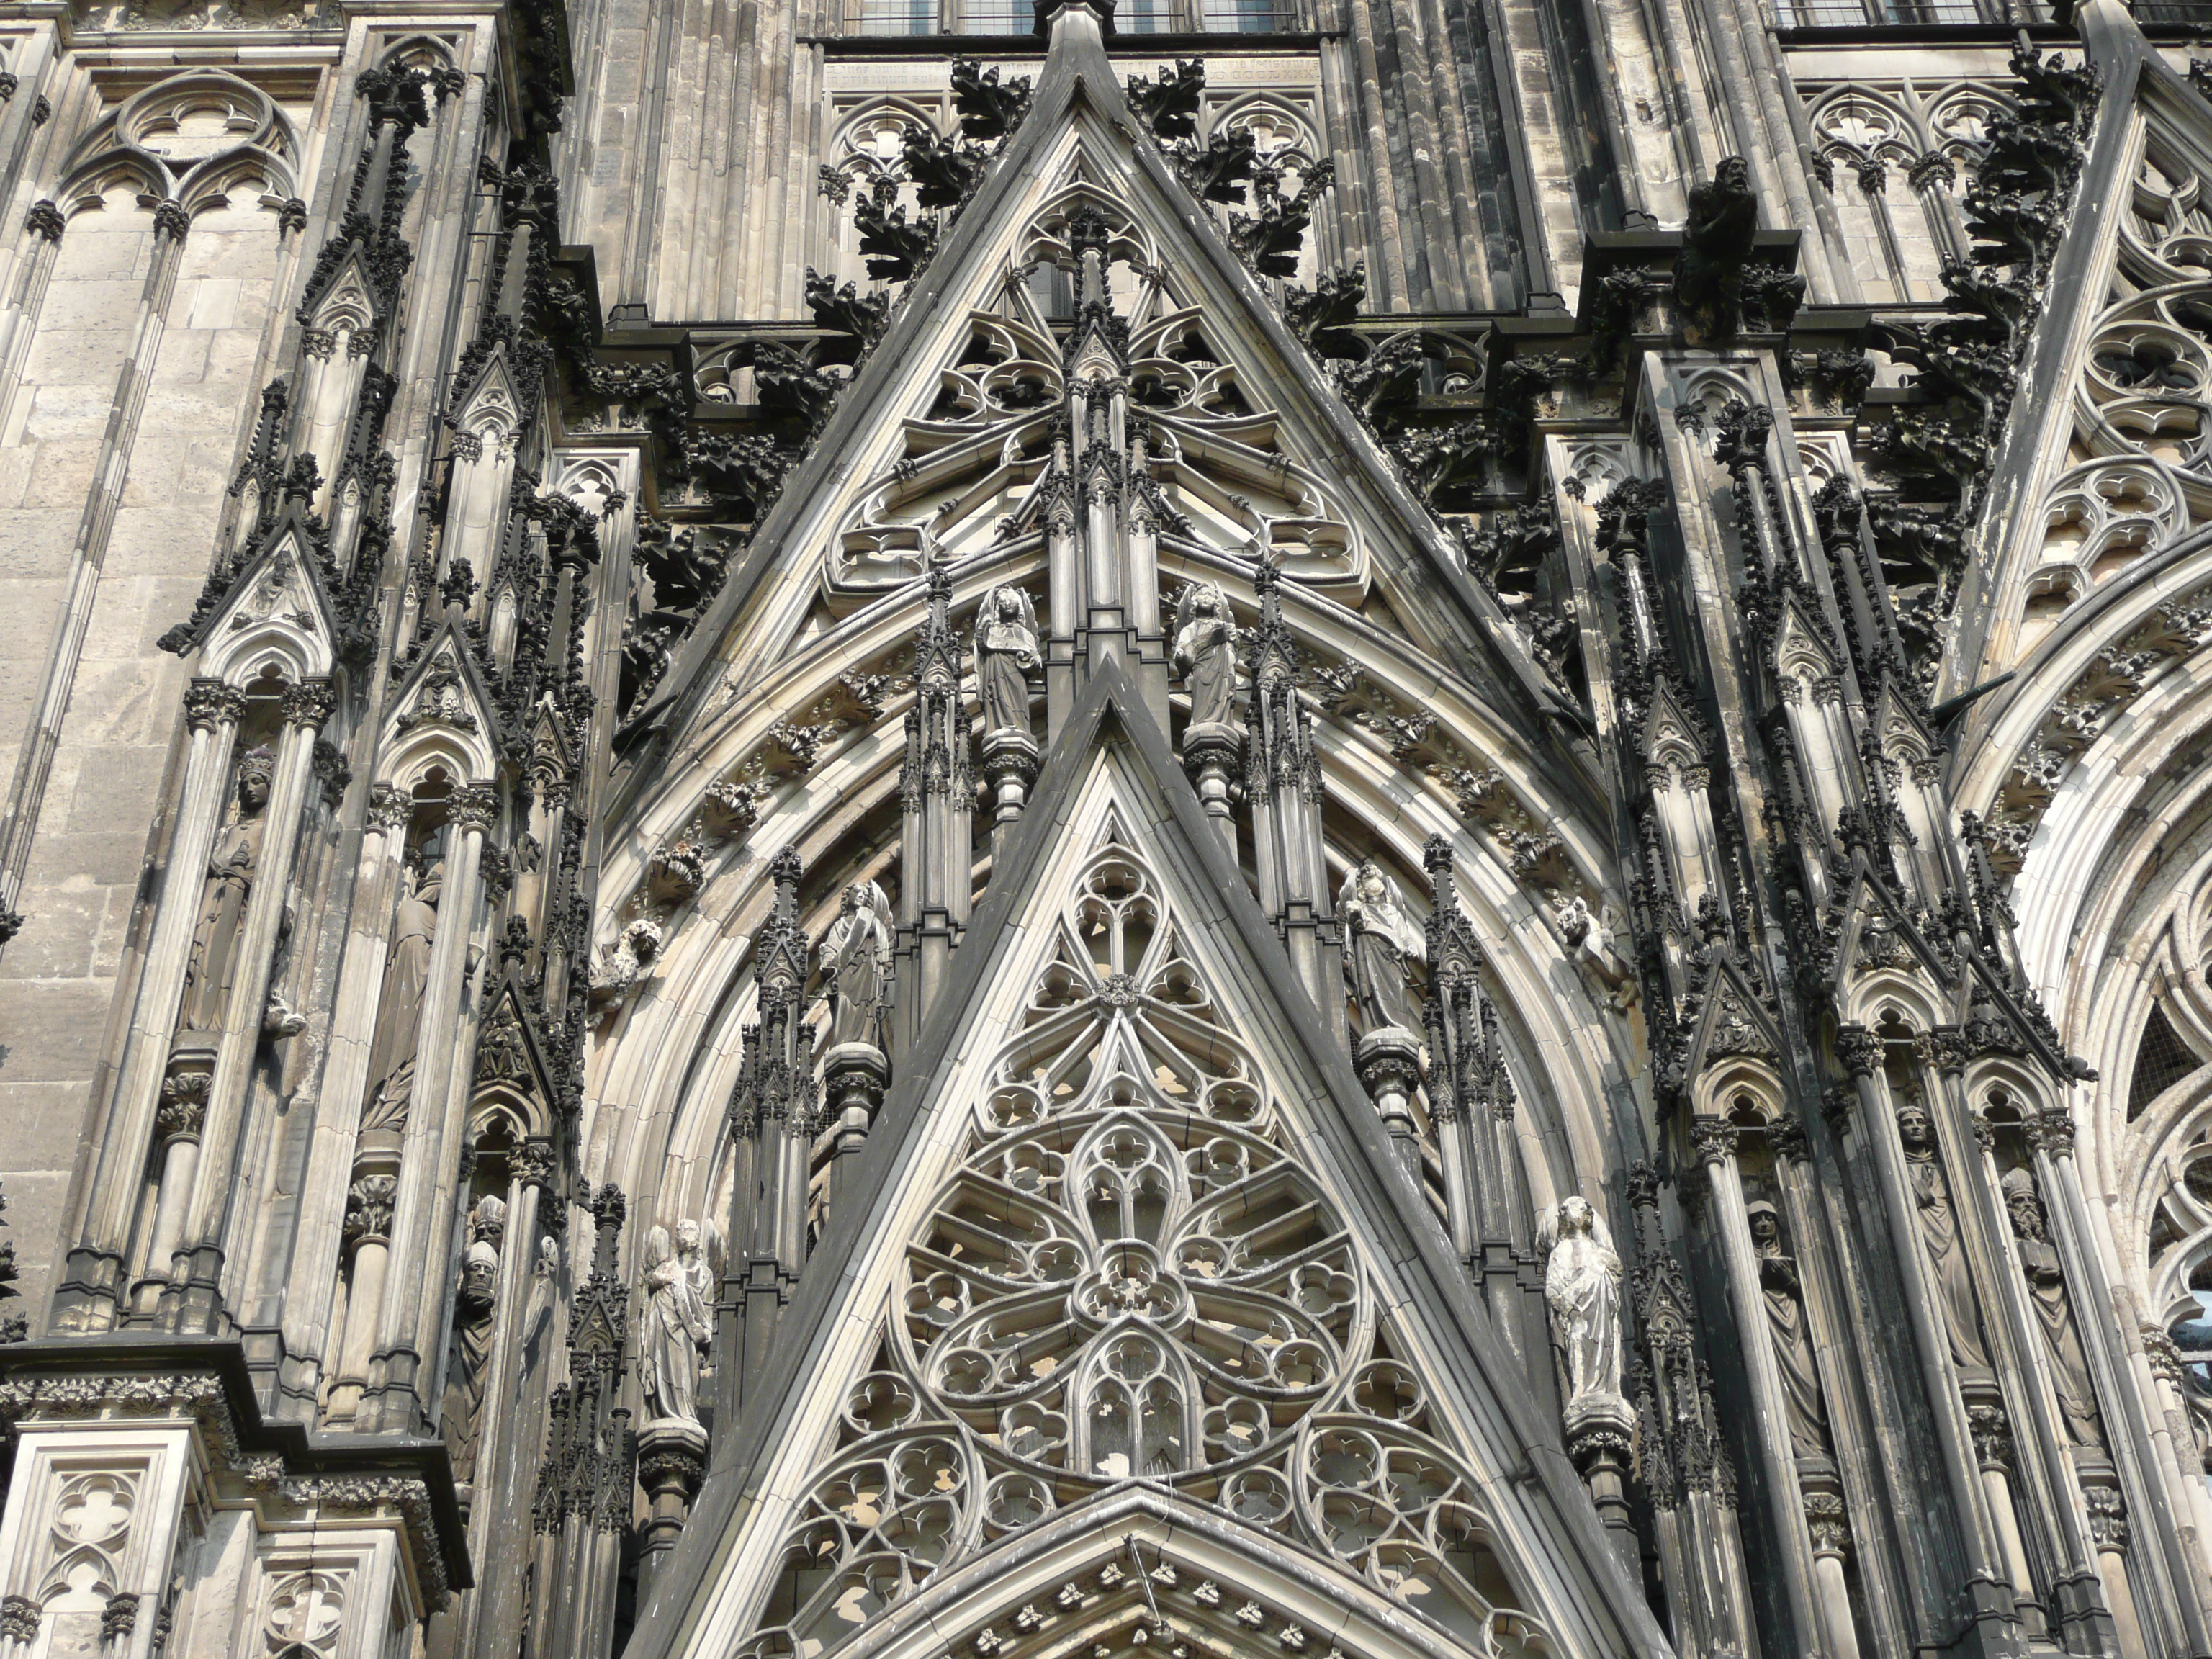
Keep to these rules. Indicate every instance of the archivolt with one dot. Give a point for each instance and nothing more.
(668, 1057)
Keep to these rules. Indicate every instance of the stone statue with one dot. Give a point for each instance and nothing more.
(676, 1328)
(1716, 244)
(1591, 942)
(232, 867)
(1792, 1343)
(1206, 652)
(1379, 937)
(474, 1308)
(1582, 1286)
(2046, 1283)
(399, 1004)
(1939, 1235)
(858, 952)
(1005, 655)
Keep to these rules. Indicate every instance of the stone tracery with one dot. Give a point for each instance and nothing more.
(1132, 1275)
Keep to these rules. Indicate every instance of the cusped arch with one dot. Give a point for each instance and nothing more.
(1889, 996)
(1724, 1088)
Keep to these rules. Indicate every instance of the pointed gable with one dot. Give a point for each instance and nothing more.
(275, 609)
(942, 444)
(1127, 1221)
(441, 706)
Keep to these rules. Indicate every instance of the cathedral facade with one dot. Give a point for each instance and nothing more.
(1033, 830)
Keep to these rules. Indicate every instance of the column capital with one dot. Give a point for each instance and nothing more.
(1859, 1050)
(390, 806)
(476, 807)
(310, 702)
(211, 703)
(1714, 1140)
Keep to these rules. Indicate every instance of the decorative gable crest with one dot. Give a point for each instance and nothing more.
(275, 609)
(442, 702)
(489, 407)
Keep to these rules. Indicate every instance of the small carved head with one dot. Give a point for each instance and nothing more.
(1765, 1225)
(255, 769)
(2023, 1204)
(1915, 1129)
(1576, 1216)
(1733, 175)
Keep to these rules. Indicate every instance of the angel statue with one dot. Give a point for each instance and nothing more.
(857, 952)
(1582, 1286)
(677, 1327)
(1206, 652)
(1005, 656)
(1380, 936)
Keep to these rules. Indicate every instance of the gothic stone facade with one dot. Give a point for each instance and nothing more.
(1272, 826)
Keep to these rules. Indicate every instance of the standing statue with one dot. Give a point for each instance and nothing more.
(676, 1330)
(1007, 654)
(1206, 652)
(1380, 936)
(1792, 1343)
(2046, 1283)
(858, 953)
(1716, 243)
(1582, 1286)
(474, 1308)
(231, 871)
(399, 1004)
(1939, 1235)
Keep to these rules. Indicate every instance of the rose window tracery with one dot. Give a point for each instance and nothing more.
(1130, 1275)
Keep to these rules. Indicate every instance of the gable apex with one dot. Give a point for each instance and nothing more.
(1080, 145)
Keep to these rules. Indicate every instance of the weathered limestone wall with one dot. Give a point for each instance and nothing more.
(140, 376)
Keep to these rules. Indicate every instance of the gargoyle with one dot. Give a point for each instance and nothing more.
(1716, 243)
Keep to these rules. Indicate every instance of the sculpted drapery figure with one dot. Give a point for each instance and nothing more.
(1379, 938)
(677, 1327)
(475, 1306)
(1582, 1286)
(231, 872)
(1206, 652)
(1939, 1234)
(1793, 1342)
(1007, 654)
(2046, 1283)
(858, 954)
(399, 1004)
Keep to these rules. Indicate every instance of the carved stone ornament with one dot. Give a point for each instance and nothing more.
(1120, 1220)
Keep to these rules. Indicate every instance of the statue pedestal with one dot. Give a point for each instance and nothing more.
(1599, 1431)
(672, 1462)
(1389, 1062)
(1212, 750)
(1010, 766)
(854, 1077)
